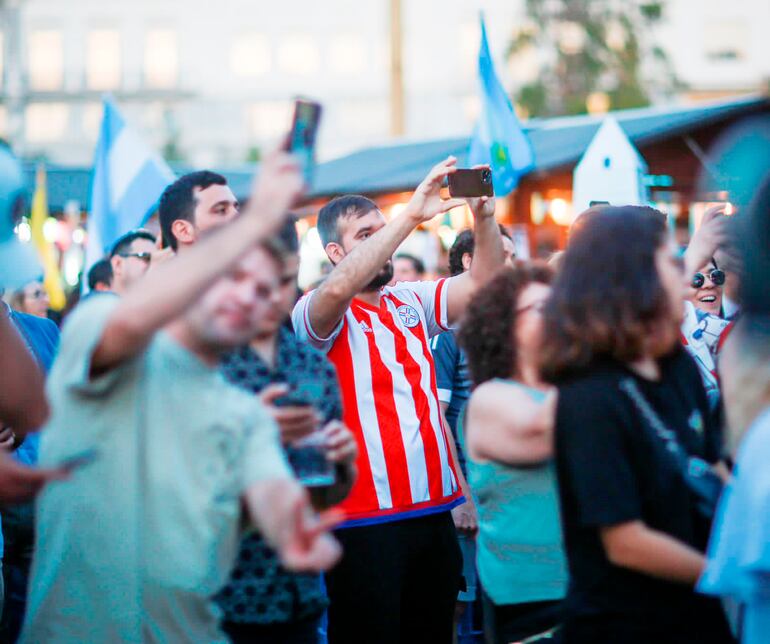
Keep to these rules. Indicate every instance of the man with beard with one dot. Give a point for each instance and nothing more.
(399, 578)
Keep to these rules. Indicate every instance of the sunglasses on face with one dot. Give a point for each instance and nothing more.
(37, 294)
(145, 256)
(717, 277)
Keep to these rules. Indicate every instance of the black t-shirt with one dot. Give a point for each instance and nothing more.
(612, 469)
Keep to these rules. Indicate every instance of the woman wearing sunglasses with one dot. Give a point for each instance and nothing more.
(706, 288)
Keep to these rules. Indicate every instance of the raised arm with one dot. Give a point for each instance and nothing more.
(362, 264)
(167, 291)
(488, 258)
(23, 405)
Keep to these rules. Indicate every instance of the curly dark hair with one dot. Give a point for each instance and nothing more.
(465, 242)
(607, 295)
(486, 332)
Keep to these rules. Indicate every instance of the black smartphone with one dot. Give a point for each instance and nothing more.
(302, 136)
(301, 394)
(471, 183)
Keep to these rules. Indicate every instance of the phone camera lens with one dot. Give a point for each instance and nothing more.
(486, 176)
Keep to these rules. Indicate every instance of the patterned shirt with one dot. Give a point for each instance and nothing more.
(260, 590)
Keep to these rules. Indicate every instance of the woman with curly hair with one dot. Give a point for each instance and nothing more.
(636, 450)
(508, 442)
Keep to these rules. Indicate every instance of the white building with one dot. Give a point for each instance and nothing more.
(217, 78)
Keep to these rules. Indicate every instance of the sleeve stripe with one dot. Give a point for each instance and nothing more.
(439, 303)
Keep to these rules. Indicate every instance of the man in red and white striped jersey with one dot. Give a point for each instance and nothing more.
(399, 577)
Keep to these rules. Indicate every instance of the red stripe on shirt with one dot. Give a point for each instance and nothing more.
(413, 374)
(419, 332)
(387, 418)
(363, 493)
(437, 303)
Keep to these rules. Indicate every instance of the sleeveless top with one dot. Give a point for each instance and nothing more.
(520, 556)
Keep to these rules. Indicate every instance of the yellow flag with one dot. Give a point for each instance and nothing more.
(52, 280)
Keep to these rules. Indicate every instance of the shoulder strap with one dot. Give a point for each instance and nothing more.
(630, 388)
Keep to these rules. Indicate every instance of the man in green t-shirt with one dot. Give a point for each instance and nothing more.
(132, 546)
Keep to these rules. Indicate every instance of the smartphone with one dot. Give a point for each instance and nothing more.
(80, 459)
(302, 394)
(471, 183)
(302, 136)
(591, 204)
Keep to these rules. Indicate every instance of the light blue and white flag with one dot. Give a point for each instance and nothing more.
(128, 179)
(498, 140)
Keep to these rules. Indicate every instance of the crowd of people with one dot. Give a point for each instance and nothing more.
(568, 451)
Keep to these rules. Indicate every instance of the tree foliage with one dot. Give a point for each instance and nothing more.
(585, 47)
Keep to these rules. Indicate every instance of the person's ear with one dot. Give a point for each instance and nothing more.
(467, 259)
(334, 252)
(117, 265)
(183, 231)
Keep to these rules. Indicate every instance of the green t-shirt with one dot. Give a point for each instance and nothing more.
(134, 544)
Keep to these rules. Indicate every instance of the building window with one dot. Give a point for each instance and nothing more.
(250, 56)
(45, 58)
(161, 58)
(347, 55)
(103, 59)
(46, 122)
(298, 55)
(726, 40)
(269, 119)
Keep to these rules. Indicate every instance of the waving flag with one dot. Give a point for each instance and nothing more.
(127, 182)
(38, 217)
(498, 139)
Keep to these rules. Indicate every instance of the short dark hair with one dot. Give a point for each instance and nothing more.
(178, 201)
(123, 243)
(417, 264)
(608, 293)
(486, 332)
(100, 273)
(465, 243)
(288, 235)
(345, 206)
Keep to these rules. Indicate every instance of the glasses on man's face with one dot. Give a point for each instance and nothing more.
(145, 256)
(717, 277)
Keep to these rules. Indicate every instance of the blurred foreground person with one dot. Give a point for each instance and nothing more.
(400, 575)
(739, 559)
(32, 299)
(165, 454)
(739, 562)
(264, 602)
(41, 337)
(635, 448)
(509, 446)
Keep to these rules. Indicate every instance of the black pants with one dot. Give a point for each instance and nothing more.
(303, 632)
(515, 622)
(397, 583)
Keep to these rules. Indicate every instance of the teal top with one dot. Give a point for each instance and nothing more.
(520, 556)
